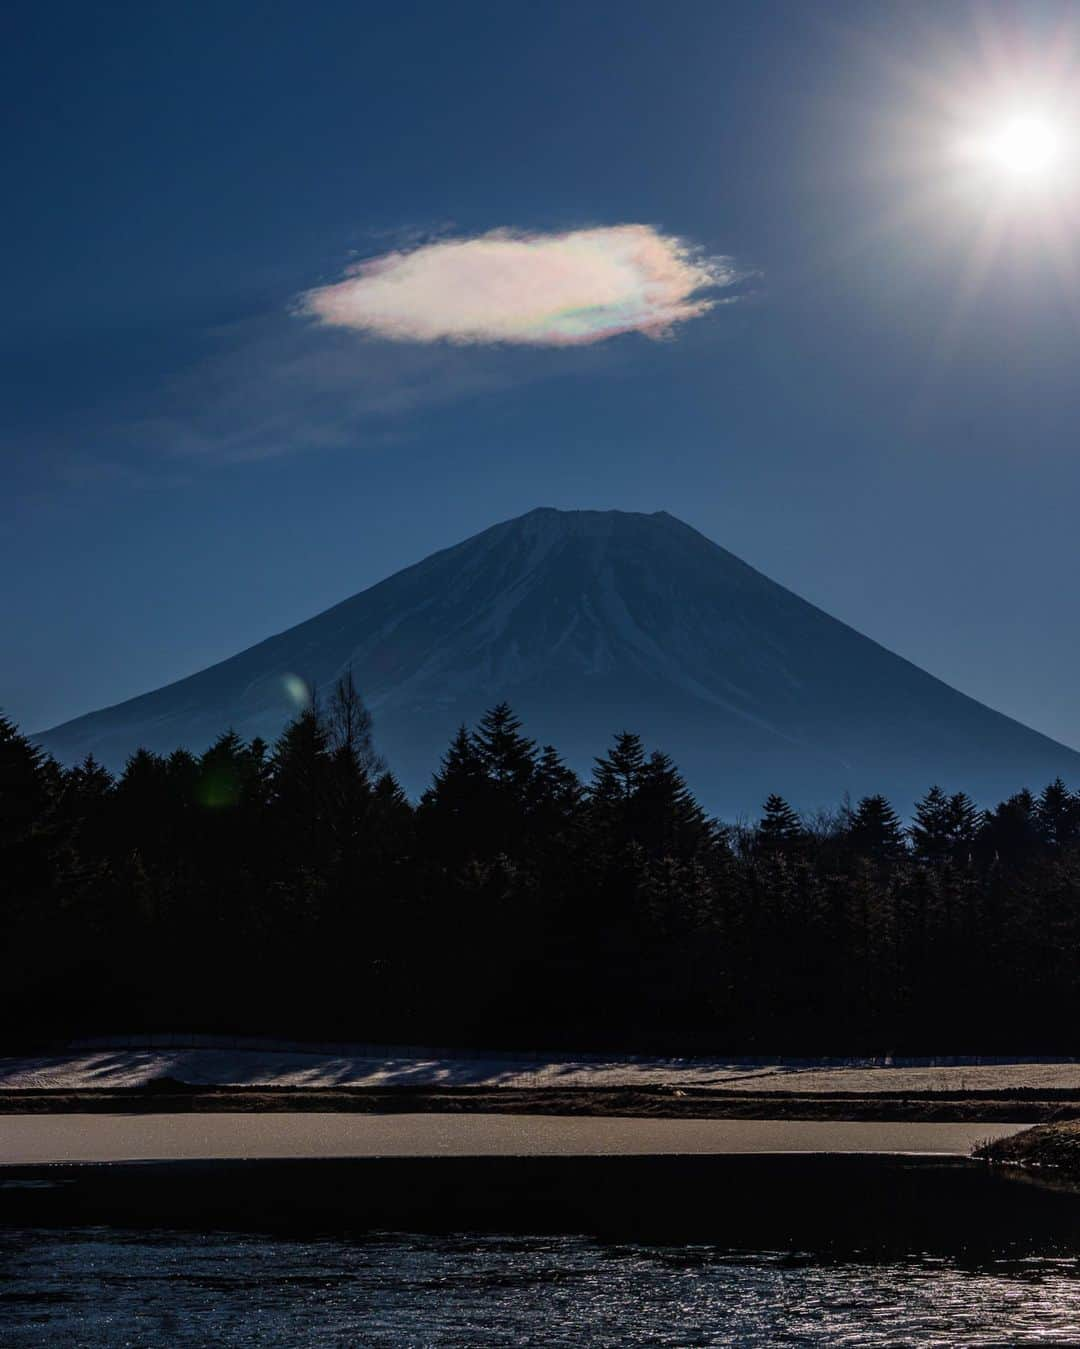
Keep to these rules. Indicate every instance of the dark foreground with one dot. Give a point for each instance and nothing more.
(755, 1249)
(107, 1287)
(759, 1201)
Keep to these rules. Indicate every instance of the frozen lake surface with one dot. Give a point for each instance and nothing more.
(40, 1139)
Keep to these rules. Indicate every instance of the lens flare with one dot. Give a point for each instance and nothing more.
(298, 691)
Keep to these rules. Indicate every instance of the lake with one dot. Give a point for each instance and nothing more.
(118, 1287)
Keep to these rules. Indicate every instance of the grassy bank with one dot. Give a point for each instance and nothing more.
(1052, 1148)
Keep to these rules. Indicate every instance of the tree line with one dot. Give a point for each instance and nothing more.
(294, 889)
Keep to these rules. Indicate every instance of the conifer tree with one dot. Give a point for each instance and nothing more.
(507, 758)
(613, 796)
(29, 783)
(617, 775)
(875, 830)
(391, 818)
(1057, 814)
(557, 796)
(300, 792)
(1010, 831)
(85, 801)
(145, 804)
(452, 812)
(460, 785)
(780, 829)
(674, 825)
(964, 820)
(931, 829)
(24, 783)
(221, 772)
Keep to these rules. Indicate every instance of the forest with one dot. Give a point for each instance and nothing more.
(295, 890)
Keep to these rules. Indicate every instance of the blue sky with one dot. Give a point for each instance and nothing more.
(883, 417)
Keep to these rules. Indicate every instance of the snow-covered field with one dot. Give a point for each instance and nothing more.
(206, 1061)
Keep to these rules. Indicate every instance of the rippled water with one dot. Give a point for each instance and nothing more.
(103, 1287)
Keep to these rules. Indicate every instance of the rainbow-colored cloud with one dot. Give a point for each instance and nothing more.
(530, 289)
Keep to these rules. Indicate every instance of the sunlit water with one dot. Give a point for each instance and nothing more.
(103, 1287)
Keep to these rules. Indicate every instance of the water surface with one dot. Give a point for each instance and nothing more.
(100, 1286)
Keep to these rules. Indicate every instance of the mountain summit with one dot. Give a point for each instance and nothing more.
(591, 622)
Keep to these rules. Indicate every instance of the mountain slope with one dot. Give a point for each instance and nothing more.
(590, 622)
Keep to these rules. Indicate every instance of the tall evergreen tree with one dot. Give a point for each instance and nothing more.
(617, 775)
(557, 795)
(301, 790)
(875, 831)
(1057, 814)
(1010, 832)
(25, 788)
(931, 829)
(672, 822)
(29, 787)
(779, 829)
(507, 758)
(964, 823)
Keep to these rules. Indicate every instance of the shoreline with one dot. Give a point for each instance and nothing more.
(1019, 1106)
(859, 1202)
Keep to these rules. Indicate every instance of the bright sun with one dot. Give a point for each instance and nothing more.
(1025, 148)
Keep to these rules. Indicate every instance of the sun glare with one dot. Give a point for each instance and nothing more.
(1025, 148)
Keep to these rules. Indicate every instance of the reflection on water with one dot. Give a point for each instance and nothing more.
(103, 1287)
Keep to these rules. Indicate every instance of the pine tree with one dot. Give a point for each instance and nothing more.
(507, 758)
(964, 820)
(557, 796)
(452, 814)
(85, 801)
(673, 824)
(30, 784)
(300, 791)
(145, 805)
(931, 829)
(90, 779)
(459, 788)
(780, 829)
(391, 819)
(613, 795)
(1010, 832)
(617, 775)
(1057, 814)
(875, 830)
(25, 784)
(221, 772)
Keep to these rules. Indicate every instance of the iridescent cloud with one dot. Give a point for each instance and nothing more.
(530, 289)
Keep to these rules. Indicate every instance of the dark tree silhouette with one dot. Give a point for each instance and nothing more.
(300, 892)
(875, 830)
(780, 829)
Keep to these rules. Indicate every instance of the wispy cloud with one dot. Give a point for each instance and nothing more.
(274, 387)
(559, 290)
(267, 385)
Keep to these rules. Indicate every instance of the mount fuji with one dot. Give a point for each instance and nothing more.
(589, 623)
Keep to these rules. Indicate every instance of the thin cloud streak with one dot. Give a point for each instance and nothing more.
(277, 388)
(556, 290)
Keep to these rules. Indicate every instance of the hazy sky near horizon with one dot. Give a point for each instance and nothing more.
(296, 294)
